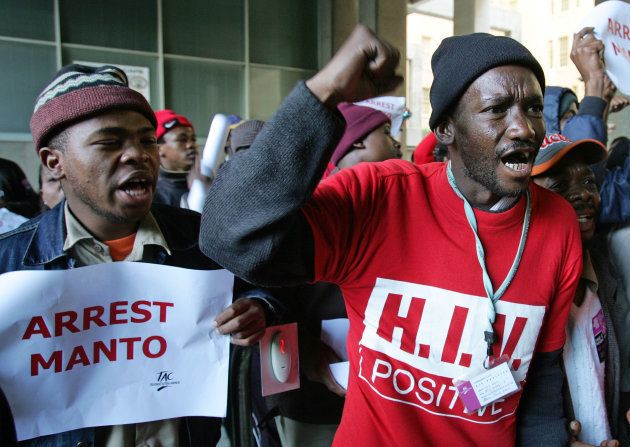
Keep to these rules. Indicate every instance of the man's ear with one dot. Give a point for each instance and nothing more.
(444, 132)
(52, 159)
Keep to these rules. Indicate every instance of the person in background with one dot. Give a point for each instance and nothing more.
(618, 239)
(234, 121)
(425, 150)
(615, 189)
(243, 135)
(8, 219)
(563, 114)
(50, 190)
(591, 353)
(18, 201)
(367, 138)
(430, 150)
(177, 144)
(618, 153)
(440, 153)
(588, 119)
(17, 192)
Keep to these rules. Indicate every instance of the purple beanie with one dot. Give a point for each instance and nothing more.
(360, 121)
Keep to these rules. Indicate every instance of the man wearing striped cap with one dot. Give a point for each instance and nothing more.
(97, 137)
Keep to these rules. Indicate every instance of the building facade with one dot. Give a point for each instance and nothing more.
(198, 57)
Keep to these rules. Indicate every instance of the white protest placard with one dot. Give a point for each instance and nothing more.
(334, 334)
(341, 372)
(392, 106)
(611, 20)
(113, 343)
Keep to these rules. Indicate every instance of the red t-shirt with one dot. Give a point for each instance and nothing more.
(395, 238)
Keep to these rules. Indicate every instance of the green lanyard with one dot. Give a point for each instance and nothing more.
(493, 296)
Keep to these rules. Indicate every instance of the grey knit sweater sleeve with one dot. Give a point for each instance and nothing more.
(540, 419)
(251, 223)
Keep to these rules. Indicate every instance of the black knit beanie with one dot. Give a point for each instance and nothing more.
(459, 60)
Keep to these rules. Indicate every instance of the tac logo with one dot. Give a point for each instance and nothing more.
(165, 379)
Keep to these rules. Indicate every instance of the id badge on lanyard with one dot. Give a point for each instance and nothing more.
(494, 379)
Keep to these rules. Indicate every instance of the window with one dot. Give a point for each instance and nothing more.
(564, 51)
(186, 26)
(499, 32)
(202, 63)
(269, 86)
(550, 53)
(26, 70)
(200, 89)
(94, 23)
(564, 5)
(285, 39)
(31, 19)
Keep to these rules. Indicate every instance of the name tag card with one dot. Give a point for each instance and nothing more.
(481, 388)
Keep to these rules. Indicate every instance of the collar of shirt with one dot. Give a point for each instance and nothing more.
(89, 250)
(504, 203)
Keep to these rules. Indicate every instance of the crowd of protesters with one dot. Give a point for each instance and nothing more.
(504, 242)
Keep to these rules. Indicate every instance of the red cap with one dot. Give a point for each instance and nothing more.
(167, 120)
(424, 150)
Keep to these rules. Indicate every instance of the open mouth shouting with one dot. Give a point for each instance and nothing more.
(518, 162)
(136, 189)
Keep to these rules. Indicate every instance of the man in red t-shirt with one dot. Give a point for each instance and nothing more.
(420, 253)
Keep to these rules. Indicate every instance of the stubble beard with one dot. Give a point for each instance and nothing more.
(484, 173)
(93, 205)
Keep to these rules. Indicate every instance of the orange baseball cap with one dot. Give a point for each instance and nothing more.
(556, 146)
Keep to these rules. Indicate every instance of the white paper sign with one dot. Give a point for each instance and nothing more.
(611, 20)
(335, 334)
(341, 372)
(392, 106)
(138, 77)
(113, 343)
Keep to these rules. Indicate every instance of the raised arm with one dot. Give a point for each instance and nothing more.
(590, 122)
(251, 221)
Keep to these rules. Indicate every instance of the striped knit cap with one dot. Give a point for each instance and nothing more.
(78, 92)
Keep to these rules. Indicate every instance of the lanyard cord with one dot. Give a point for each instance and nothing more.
(493, 296)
